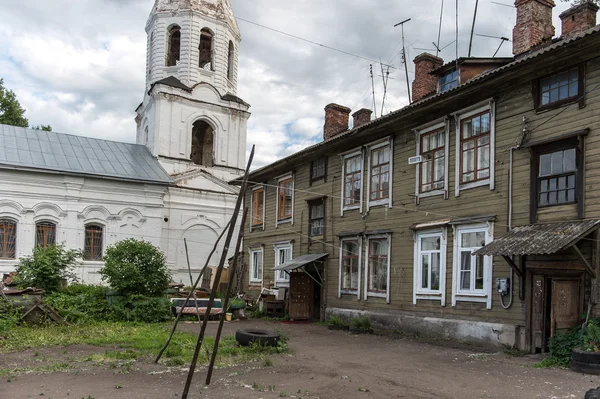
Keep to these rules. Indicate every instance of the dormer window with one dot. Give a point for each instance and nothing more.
(449, 80)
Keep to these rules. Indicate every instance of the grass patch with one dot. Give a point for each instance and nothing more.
(51, 368)
(133, 341)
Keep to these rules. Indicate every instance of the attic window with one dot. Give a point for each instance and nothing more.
(449, 80)
(174, 43)
(206, 47)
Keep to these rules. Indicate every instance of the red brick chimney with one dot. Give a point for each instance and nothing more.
(425, 83)
(361, 117)
(336, 120)
(534, 24)
(579, 18)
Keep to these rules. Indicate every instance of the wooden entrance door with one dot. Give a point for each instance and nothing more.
(301, 296)
(565, 305)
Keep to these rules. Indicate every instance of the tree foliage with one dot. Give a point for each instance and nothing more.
(11, 112)
(135, 267)
(47, 268)
(578, 2)
(46, 128)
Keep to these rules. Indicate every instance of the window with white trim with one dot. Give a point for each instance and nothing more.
(256, 265)
(352, 170)
(430, 266)
(258, 208)
(475, 141)
(380, 174)
(377, 267)
(472, 275)
(432, 172)
(350, 254)
(283, 253)
(285, 199)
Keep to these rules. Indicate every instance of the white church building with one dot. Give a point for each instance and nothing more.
(171, 185)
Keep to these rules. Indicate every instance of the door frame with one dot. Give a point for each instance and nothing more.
(559, 269)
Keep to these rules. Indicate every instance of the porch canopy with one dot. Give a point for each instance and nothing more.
(299, 263)
(542, 239)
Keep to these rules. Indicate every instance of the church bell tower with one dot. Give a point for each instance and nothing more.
(191, 116)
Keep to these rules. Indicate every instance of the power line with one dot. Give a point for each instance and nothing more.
(313, 42)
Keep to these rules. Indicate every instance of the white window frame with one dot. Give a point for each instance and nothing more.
(370, 148)
(356, 292)
(428, 129)
(420, 293)
(252, 265)
(264, 188)
(344, 157)
(484, 295)
(282, 246)
(490, 106)
(367, 293)
(279, 180)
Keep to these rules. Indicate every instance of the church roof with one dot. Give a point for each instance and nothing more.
(29, 149)
(217, 9)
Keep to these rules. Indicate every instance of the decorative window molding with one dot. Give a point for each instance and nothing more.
(352, 178)
(285, 199)
(8, 238)
(380, 161)
(475, 144)
(93, 248)
(283, 253)
(472, 275)
(256, 265)
(257, 208)
(377, 266)
(350, 259)
(45, 233)
(430, 249)
(440, 151)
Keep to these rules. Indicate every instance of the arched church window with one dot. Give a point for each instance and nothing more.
(202, 144)
(94, 237)
(174, 46)
(230, 61)
(146, 136)
(206, 49)
(150, 51)
(45, 234)
(8, 239)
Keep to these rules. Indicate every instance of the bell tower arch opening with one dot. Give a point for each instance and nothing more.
(202, 144)
(206, 50)
(174, 46)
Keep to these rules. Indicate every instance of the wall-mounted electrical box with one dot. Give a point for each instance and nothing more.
(503, 285)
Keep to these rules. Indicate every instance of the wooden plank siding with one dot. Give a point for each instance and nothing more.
(512, 103)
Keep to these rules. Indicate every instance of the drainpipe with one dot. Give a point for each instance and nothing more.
(510, 206)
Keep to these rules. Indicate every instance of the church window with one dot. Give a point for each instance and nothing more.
(8, 239)
(174, 46)
(94, 236)
(206, 49)
(150, 51)
(45, 234)
(202, 144)
(230, 61)
(146, 136)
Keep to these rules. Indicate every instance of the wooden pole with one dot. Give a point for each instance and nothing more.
(187, 257)
(226, 303)
(166, 345)
(213, 293)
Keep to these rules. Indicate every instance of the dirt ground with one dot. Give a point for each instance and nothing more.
(320, 364)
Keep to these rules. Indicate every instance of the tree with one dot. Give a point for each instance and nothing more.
(578, 2)
(47, 268)
(46, 128)
(11, 112)
(135, 267)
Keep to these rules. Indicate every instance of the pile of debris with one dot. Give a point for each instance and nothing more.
(27, 301)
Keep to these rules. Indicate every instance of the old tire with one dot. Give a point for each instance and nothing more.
(592, 394)
(247, 336)
(581, 356)
(586, 368)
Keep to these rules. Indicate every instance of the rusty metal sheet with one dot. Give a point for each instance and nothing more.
(540, 239)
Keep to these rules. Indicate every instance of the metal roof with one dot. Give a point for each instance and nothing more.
(540, 239)
(300, 261)
(29, 149)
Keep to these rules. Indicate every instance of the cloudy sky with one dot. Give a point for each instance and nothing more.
(79, 65)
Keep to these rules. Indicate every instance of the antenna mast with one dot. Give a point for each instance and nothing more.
(373, 86)
(437, 48)
(473, 26)
(404, 58)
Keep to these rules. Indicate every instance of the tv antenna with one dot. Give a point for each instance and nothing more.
(473, 27)
(501, 38)
(437, 46)
(404, 58)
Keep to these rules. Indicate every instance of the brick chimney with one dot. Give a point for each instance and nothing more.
(534, 24)
(425, 83)
(361, 117)
(579, 18)
(336, 120)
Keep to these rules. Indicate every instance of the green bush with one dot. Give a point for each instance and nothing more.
(79, 302)
(561, 345)
(141, 309)
(135, 267)
(9, 316)
(47, 268)
(360, 323)
(336, 321)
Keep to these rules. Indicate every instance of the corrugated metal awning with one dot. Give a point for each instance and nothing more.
(540, 239)
(300, 261)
